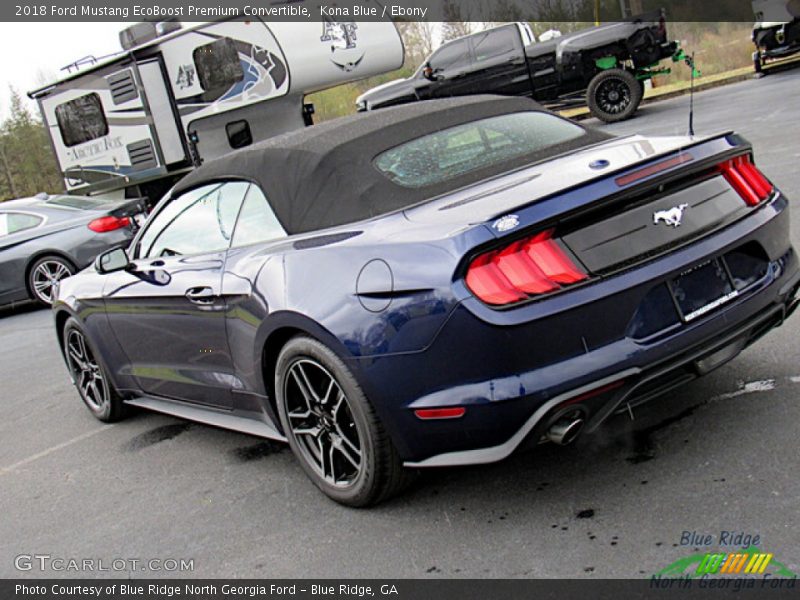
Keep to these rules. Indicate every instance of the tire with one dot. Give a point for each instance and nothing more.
(757, 64)
(614, 95)
(44, 274)
(333, 429)
(89, 375)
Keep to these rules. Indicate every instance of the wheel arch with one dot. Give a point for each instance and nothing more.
(280, 328)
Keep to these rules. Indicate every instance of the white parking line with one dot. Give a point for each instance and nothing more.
(48, 451)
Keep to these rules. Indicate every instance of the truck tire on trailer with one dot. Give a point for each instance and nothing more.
(614, 95)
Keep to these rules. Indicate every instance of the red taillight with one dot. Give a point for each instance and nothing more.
(534, 265)
(746, 179)
(428, 414)
(105, 224)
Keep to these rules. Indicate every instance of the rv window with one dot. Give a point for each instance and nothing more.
(81, 120)
(218, 65)
(239, 134)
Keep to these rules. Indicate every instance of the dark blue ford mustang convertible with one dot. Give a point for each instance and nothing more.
(434, 284)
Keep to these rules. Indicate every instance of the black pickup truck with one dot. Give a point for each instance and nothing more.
(605, 66)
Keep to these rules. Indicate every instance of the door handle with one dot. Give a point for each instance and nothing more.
(201, 295)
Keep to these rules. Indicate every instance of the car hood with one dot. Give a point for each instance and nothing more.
(388, 89)
(485, 201)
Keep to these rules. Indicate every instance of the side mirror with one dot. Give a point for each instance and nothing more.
(112, 260)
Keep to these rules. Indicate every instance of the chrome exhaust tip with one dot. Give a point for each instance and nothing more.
(565, 430)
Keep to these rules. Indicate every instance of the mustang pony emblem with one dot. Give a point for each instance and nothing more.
(672, 216)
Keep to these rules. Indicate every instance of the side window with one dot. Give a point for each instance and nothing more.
(451, 56)
(81, 120)
(218, 66)
(494, 43)
(198, 222)
(14, 222)
(257, 221)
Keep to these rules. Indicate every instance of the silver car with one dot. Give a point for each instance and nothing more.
(47, 238)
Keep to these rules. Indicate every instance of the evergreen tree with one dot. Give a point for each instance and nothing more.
(27, 164)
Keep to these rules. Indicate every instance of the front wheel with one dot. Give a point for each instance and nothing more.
(89, 375)
(614, 95)
(332, 428)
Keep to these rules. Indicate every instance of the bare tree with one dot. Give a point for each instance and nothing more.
(457, 23)
(418, 39)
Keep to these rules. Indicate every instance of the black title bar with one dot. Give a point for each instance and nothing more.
(438, 589)
(587, 11)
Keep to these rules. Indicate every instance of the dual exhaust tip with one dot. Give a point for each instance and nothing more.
(565, 430)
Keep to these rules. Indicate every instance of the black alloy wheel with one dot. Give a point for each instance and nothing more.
(89, 376)
(332, 428)
(614, 95)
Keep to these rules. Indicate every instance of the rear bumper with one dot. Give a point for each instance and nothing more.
(637, 386)
(515, 370)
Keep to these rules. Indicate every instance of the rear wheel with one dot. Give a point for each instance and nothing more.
(332, 428)
(614, 95)
(89, 375)
(44, 276)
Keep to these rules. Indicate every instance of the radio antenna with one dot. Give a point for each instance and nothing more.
(690, 62)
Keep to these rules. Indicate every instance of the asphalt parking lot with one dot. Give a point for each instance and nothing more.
(719, 455)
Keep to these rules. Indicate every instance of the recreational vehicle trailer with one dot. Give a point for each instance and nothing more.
(133, 123)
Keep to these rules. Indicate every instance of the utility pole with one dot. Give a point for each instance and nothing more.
(7, 171)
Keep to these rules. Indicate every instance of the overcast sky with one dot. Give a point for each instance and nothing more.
(33, 52)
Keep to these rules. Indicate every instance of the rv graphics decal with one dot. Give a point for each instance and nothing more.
(343, 39)
(95, 148)
(186, 75)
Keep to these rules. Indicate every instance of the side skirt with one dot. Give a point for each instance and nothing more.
(208, 416)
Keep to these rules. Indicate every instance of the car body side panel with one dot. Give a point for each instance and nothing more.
(78, 244)
(176, 348)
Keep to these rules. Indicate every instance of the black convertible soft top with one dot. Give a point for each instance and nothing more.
(323, 175)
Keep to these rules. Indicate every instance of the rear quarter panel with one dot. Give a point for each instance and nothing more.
(363, 292)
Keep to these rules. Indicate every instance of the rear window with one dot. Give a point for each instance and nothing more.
(81, 120)
(459, 150)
